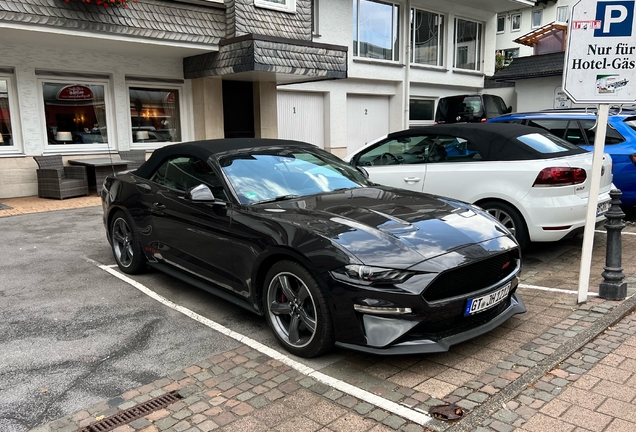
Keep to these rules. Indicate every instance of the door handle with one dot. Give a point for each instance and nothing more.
(412, 179)
(143, 187)
(158, 206)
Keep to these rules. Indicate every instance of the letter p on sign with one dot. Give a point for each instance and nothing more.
(617, 18)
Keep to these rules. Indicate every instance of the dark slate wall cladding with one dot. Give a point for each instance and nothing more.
(250, 19)
(300, 60)
(250, 55)
(154, 19)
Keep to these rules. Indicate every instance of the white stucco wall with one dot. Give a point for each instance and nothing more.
(537, 93)
(377, 77)
(67, 54)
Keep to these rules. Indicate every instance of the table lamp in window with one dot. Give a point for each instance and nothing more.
(142, 135)
(64, 137)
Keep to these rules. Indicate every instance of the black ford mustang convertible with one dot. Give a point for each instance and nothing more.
(291, 232)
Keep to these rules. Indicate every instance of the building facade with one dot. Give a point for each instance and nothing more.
(79, 79)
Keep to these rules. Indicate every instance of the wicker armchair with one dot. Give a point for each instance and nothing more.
(58, 181)
(137, 156)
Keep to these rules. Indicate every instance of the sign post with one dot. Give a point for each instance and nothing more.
(600, 68)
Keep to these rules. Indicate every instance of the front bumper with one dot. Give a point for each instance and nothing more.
(426, 345)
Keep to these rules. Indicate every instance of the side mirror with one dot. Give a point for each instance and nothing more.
(509, 109)
(200, 193)
(364, 172)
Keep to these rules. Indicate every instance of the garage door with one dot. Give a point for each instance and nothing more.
(367, 119)
(301, 117)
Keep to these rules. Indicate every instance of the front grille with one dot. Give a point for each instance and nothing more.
(472, 277)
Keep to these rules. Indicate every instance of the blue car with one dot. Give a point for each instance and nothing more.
(578, 127)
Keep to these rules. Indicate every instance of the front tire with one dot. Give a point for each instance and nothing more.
(509, 217)
(126, 246)
(297, 311)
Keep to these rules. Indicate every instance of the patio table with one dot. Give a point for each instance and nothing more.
(98, 168)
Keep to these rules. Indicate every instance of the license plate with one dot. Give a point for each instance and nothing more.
(602, 208)
(486, 302)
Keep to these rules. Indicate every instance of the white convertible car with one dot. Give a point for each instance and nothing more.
(533, 182)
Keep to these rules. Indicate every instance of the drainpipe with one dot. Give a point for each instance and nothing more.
(407, 69)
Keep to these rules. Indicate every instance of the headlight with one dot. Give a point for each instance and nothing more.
(366, 275)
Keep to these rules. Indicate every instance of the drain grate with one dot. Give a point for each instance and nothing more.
(132, 413)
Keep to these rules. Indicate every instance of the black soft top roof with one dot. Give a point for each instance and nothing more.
(493, 141)
(208, 148)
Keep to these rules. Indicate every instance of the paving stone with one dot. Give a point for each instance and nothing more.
(394, 421)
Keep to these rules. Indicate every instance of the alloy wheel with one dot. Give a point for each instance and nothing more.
(291, 310)
(123, 242)
(504, 218)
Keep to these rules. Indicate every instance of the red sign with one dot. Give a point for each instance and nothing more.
(170, 97)
(75, 92)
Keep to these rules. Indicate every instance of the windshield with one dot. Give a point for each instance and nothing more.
(282, 173)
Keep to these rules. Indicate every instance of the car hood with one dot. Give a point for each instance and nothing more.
(386, 226)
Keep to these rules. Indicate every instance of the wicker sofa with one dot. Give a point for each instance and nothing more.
(58, 181)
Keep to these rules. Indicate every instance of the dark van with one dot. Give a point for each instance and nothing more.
(475, 108)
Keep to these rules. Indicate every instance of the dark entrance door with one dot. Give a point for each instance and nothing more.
(238, 109)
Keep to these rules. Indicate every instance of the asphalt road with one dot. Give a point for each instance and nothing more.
(72, 335)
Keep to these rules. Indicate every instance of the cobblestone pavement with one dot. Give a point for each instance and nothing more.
(560, 366)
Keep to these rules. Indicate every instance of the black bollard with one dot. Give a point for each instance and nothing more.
(613, 287)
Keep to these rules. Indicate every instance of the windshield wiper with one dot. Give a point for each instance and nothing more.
(278, 198)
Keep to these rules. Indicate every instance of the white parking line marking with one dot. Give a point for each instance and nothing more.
(344, 387)
(540, 288)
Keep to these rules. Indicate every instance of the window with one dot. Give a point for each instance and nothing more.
(501, 23)
(419, 149)
(509, 55)
(6, 130)
(279, 5)
(421, 109)
(184, 173)
(563, 128)
(515, 22)
(562, 14)
(76, 114)
(467, 44)
(545, 143)
(611, 135)
(154, 115)
(375, 30)
(427, 37)
(537, 16)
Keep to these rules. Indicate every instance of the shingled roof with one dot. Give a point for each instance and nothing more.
(535, 66)
(301, 59)
(148, 19)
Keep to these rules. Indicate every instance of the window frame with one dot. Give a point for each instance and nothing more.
(289, 6)
(16, 136)
(109, 111)
(567, 15)
(512, 22)
(502, 18)
(441, 31)
(395, 31)
(180, 87)
(479, 44)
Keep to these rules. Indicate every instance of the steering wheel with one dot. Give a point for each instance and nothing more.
(388, 157)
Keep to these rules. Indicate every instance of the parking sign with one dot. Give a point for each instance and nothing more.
(600, 60)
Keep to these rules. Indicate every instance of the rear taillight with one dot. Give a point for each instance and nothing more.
(484, 120)
(560, 176)
(632, 157)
